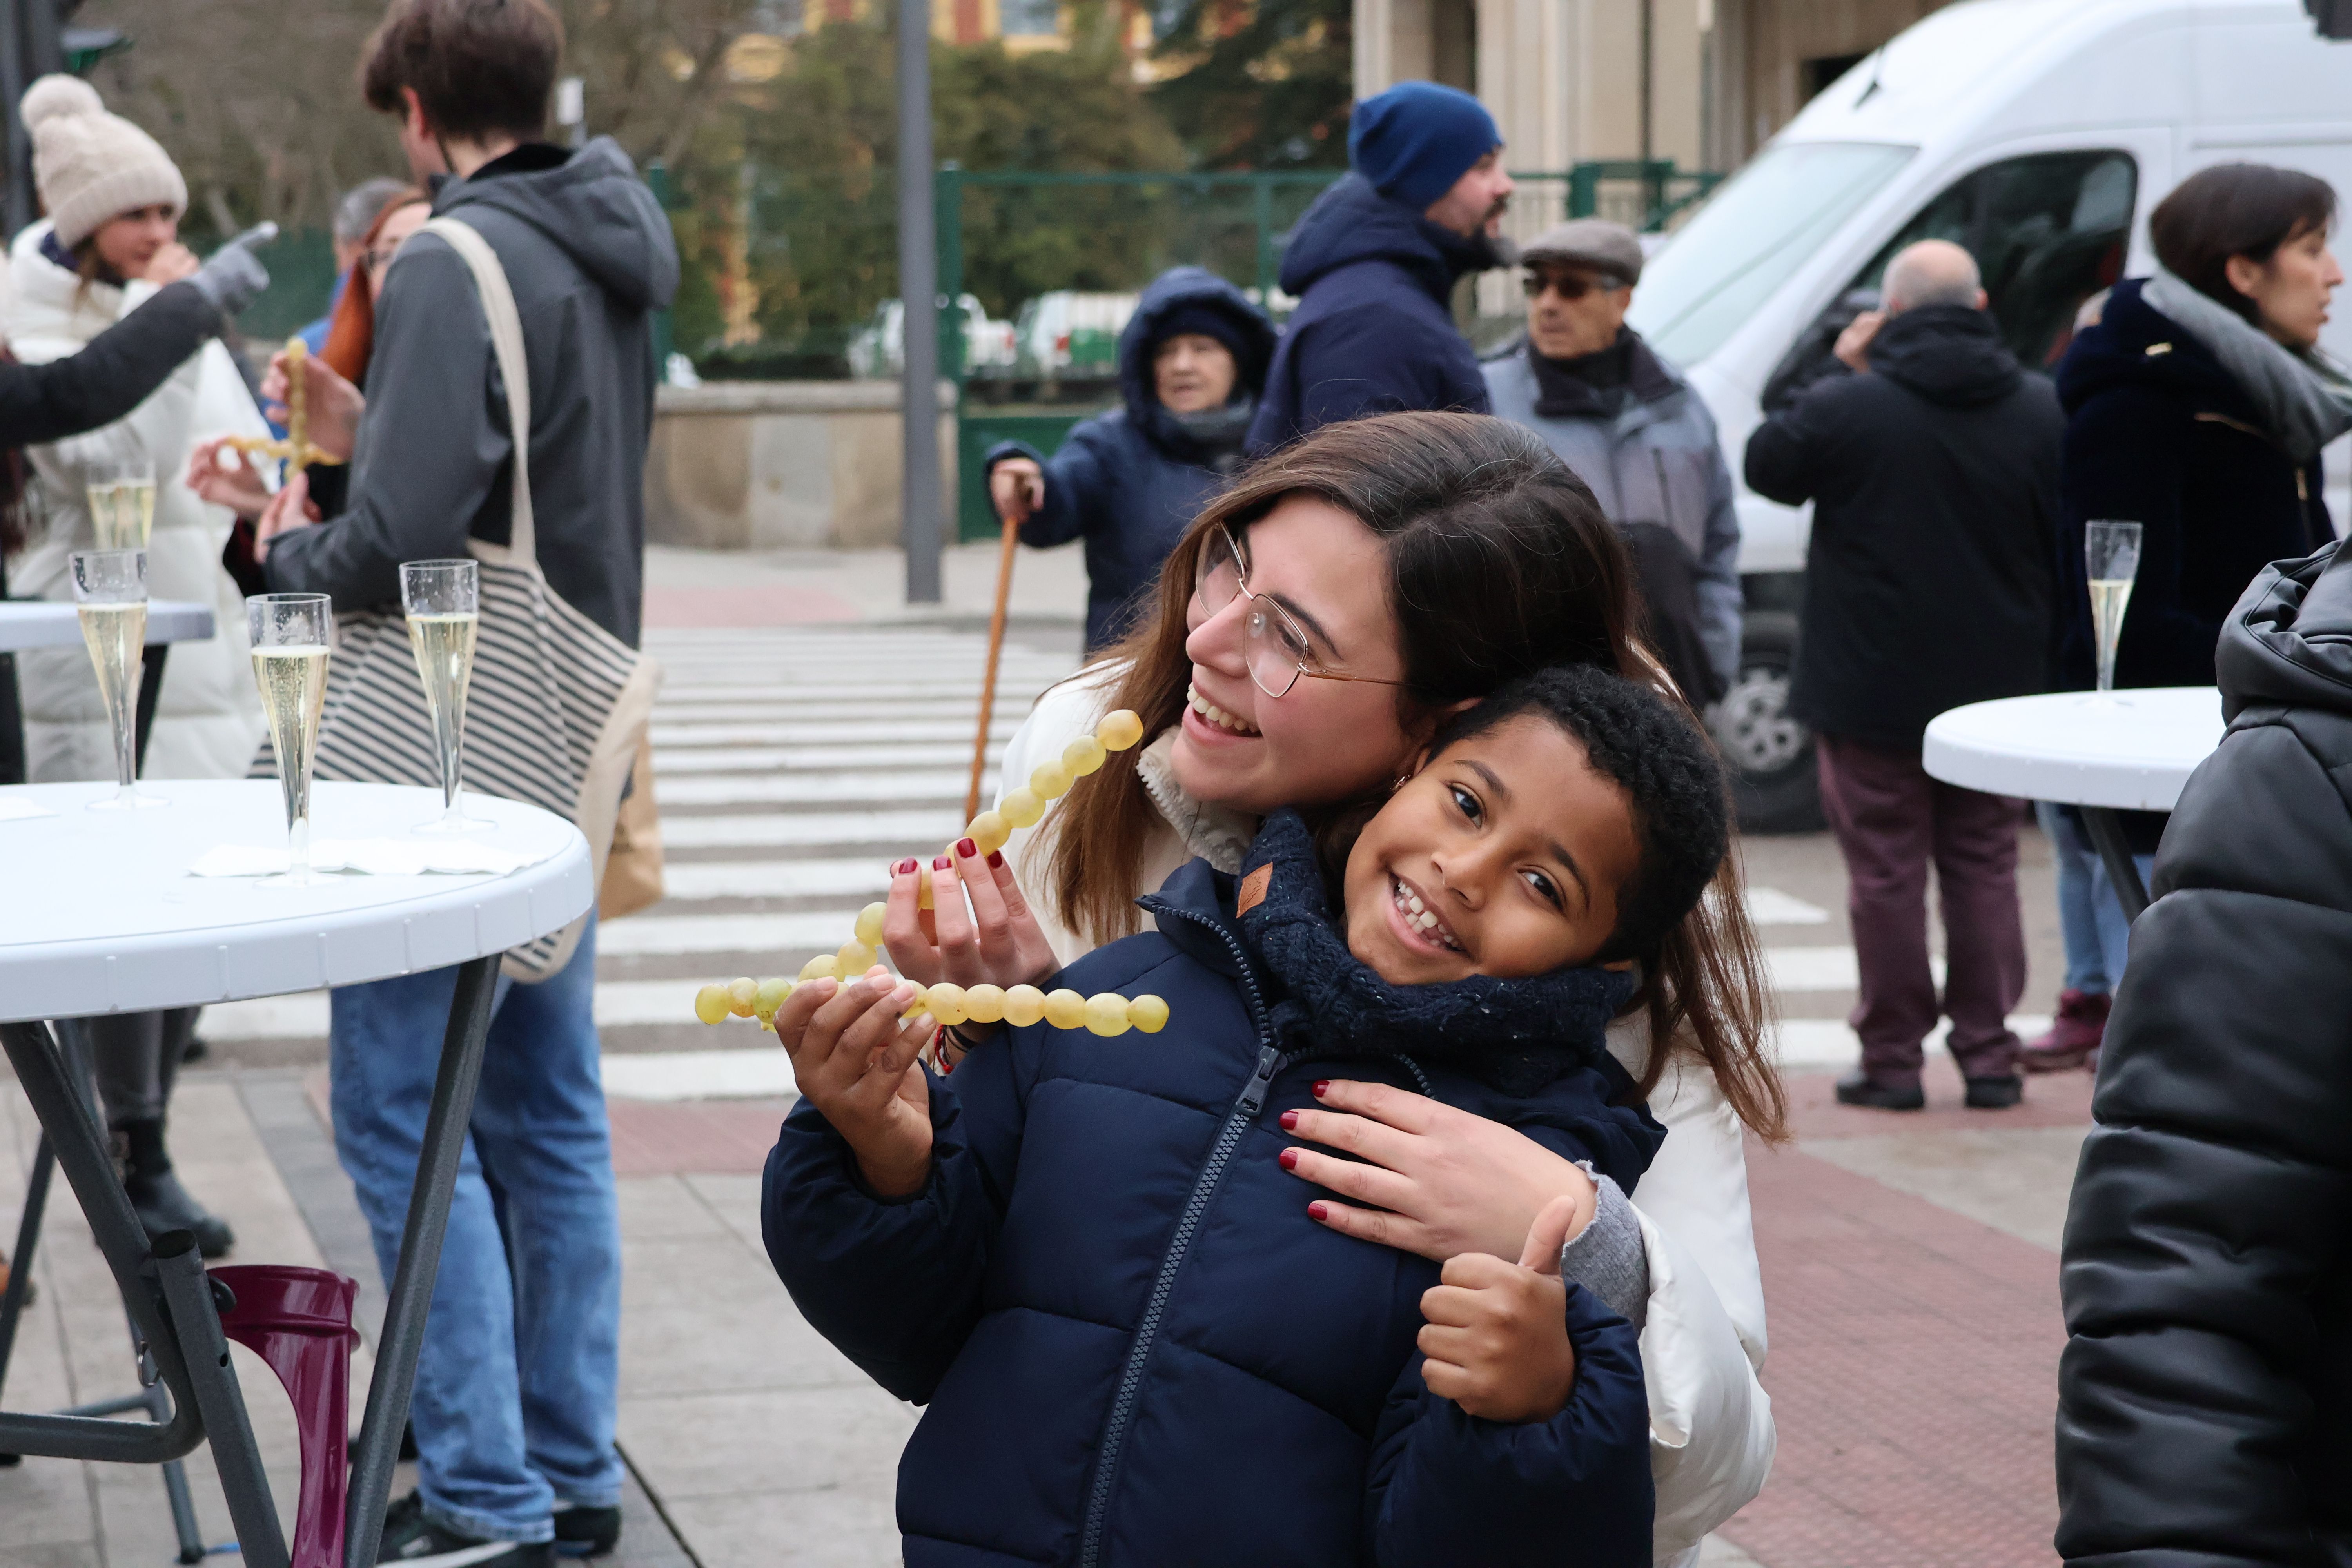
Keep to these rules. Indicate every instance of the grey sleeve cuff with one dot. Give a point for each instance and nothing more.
(1607, 1257)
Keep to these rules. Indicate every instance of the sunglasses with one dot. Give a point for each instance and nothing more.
(1570, 286)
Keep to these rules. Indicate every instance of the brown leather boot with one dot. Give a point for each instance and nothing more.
(2074, 1035)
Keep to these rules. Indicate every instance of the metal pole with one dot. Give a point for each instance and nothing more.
(14, 80)
(919, 396)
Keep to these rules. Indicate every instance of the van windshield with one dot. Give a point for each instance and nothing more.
(1722, 265)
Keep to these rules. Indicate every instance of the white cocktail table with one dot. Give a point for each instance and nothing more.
(2131, 752)
(47, 623)
(102, 917)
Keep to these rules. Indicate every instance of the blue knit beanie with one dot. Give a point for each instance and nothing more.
(1415, 139)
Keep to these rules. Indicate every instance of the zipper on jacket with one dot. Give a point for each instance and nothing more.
(1252, 1099)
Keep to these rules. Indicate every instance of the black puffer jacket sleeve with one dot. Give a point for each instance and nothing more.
(2201, 1391)
(111, 377)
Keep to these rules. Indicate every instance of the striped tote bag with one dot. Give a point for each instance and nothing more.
(558, 706)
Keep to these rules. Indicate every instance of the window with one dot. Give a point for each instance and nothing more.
(1029, 18)
(1765, 223)
(2048, 232)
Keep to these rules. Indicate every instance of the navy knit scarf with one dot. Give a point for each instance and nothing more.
(1515, 1036)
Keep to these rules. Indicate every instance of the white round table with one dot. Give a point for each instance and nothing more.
(102, 916)
(2131, 751)
(47, 623)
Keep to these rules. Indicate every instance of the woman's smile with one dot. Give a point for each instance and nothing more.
(1202, 715)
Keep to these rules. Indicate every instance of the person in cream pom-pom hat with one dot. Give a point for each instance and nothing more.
(90, 165)
(110, 244)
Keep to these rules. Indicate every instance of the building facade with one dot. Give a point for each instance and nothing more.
(1702, 83)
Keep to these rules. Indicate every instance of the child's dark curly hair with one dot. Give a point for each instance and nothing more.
(1651, 748)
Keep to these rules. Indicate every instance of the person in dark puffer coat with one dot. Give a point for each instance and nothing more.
(1134, 1345)
(2205, 1393)
(1129, 481)
(1374, 262)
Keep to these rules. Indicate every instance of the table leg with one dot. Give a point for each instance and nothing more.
(65, 1120)
(420, 1259)
(2107, 831)
(28, 1238)
(246, 1486)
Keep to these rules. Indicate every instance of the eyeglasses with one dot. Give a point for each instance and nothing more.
(1567, 285)
(1274, 644)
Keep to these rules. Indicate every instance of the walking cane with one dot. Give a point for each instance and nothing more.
(996, 653)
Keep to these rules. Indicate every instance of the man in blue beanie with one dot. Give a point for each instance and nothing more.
(1374, 262)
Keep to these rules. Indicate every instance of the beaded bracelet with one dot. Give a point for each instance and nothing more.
(1105, 1012)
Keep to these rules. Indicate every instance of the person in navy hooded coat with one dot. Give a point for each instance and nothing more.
(1136, 1343)
(1374, 262)
(1192, 361)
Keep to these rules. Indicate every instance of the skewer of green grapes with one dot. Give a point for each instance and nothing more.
(1105, 1012)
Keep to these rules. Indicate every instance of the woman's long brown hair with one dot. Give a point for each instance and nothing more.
(1500, 564)
(351, 334)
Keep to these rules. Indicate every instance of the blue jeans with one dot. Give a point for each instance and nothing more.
(519, 1381)
(2090, 916)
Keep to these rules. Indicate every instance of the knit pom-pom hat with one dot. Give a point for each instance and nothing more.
(90, 166)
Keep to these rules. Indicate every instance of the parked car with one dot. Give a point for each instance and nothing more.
(1070, 335)
(2039, 133)
(878, 350)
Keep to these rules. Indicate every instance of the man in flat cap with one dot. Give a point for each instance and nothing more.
(1374, 262)
(1634, 429)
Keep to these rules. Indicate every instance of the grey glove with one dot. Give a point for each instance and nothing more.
(234, 278)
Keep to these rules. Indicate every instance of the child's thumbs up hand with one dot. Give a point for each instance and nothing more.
(1495, 1342)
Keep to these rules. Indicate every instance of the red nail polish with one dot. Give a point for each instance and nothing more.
(1318, 1212)
(1289, 1121)
(1320, 1085)
(905, 867)
(996, 857)
(967, 850)
(1291, 1159)
(941, 863)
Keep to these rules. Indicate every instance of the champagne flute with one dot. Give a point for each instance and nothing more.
(2111, 553)
(110, 597)
(291, 635)
(442, 599)
(121, 503)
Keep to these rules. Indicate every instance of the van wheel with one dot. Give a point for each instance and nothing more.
(1773, 786)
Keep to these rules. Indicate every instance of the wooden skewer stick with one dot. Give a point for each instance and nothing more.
(995, 654)
(296, 449)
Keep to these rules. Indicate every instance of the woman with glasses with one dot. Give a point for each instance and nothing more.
(1310, 633)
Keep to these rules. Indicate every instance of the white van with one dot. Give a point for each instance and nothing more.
(2040, 134)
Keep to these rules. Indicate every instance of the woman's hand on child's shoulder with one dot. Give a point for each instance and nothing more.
(853, 1055)
(1497, 1338)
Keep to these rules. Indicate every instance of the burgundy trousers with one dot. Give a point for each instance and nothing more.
(1891, 820)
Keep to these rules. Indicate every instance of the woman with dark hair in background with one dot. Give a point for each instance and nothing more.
(1314, 626)
(2196, 405)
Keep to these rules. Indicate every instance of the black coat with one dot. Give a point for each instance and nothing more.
(2158, 434)
(2205, 1394)
(111, 377)
(1934, 479)
(1130, 482)
(1374, 329)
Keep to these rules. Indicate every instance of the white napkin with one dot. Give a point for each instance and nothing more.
(16, 808)
(368, 857)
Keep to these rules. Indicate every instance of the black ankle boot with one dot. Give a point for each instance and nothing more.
(156, 1195)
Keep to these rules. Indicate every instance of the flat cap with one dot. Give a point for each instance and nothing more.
(1594, 242)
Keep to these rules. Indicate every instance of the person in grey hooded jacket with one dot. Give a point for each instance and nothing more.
(516, 1386)
(1634, 429)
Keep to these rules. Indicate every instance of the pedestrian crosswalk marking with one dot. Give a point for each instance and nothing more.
(859, 880)
(913, 831)
(815, 789)
(672, 762)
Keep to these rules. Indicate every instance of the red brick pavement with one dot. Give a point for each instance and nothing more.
(779, 606)
(1914, 1365)
(698, 1137)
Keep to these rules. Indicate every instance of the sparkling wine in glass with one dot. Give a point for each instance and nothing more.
(293, 635)
(442, 599)
(121, 503)
(2111, 551)
(111, 596)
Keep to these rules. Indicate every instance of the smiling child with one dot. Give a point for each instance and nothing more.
(1085, 1254)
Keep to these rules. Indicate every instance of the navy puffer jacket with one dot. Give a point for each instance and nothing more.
(1135, 1345)
(1131, 481)
(1374, 329)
